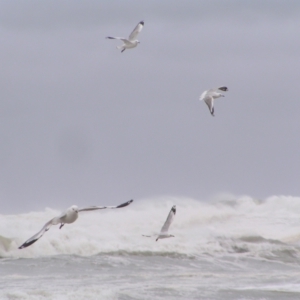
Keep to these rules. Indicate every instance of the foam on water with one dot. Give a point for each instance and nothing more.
(231, 225)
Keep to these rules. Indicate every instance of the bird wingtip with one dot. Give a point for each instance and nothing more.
(26, 244)
(125, 204)
(223, 88)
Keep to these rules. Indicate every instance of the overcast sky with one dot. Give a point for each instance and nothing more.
(82, 123)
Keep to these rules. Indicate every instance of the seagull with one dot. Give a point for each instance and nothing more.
(67, 217)
(164, 231)
(210, 95)
(131, 42)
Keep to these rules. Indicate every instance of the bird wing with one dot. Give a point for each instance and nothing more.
(209, 100)
(223, 88)
(169, 220)
(203, 95)
(38, 235)
(215, 90)
(138, 28)
(117, 38)
(104, 207)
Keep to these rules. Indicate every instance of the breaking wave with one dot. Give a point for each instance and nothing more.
(264, 229)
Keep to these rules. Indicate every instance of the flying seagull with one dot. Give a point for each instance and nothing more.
(131, 42)
(164, 231)
(210, 95)
(68, 217)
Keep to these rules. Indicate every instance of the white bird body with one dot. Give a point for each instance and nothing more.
(210, 95)
(128, 44)
(131, 41)
(164, 236)
(68, 217)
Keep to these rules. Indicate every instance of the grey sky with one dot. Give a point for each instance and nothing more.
(81, 123)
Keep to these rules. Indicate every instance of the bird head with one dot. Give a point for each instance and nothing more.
(74, 208)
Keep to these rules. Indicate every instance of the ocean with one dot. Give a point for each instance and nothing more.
(227, 248)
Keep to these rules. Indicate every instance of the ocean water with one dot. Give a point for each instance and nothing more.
(229, 248)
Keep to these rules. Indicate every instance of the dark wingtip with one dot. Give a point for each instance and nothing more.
(109, 37)
(174, 209)
(223, 88)
(156, 240)
(125, 204)
(27, 244)
(142, 23)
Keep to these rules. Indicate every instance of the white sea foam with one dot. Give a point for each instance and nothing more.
(229, 225)
(227, 248)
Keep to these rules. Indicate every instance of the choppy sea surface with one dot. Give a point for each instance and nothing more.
(230, 248)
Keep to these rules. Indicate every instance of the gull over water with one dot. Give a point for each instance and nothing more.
(67, 217)
(164, 230)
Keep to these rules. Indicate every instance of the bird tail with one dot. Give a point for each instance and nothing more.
(121, 47)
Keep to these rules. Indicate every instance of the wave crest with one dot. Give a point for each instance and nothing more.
(228, 226)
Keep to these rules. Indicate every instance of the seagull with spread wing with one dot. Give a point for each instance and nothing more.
(68, 217)
(131, 42)
(210, 95)
(164, 231)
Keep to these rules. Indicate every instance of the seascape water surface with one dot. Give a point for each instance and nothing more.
(229, 248)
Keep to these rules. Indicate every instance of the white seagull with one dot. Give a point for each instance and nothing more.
(210, 95)
(164, 231)
(131, 42)
(68, 217)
